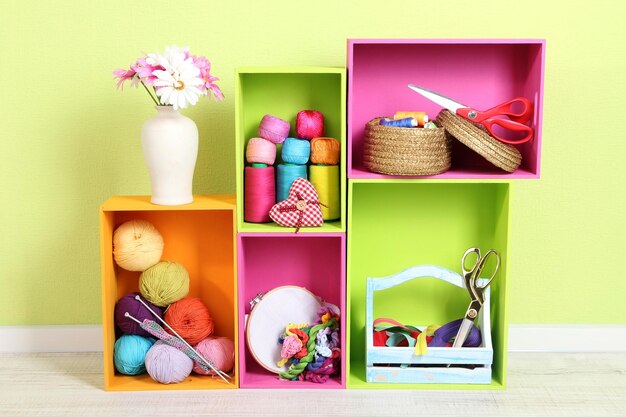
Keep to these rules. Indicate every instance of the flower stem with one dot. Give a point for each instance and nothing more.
(150, 94)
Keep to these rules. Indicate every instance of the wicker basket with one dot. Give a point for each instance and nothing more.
(406, 151)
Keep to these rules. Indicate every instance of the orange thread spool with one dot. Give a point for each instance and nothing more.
(325, 151)
(420, 116)
(191, 320)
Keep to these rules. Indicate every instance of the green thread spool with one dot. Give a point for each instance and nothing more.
(259, 165)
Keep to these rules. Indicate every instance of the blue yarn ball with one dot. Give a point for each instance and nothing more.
(129, 354)
(296, 151)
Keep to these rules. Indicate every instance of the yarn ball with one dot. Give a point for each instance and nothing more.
(218, 350)
(296, 151)
(309, 124)
(167, 365)
(190, 318)
(274, 128)
(129, 354)
(261, 150)
(129, 304)
(325, 151)
(164, 283)
(137, 245)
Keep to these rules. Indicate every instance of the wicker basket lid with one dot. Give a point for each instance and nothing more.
(476, 137)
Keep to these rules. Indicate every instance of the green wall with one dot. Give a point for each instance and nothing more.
(69, 140)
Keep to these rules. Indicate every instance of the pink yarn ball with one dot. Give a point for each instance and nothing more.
(218, 350)
(261, 151)
(274, 128)
(309, 124)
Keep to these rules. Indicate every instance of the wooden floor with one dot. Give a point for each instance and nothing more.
(539, 384)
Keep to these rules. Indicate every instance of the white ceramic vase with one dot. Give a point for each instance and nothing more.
(170, 147)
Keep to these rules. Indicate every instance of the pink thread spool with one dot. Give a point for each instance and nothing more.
(274, 128)
(309, 124)
(259, 194)
(261, 150)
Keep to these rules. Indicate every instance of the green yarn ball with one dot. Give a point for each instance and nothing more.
(164, 283)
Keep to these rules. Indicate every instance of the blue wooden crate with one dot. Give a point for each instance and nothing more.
(403, 366)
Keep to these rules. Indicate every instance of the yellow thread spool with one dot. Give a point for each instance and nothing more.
(325, 179)
(420, 116)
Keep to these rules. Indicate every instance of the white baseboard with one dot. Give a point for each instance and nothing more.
(522, 338)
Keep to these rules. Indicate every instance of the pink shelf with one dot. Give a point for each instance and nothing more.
(479, 73)
(268, 260)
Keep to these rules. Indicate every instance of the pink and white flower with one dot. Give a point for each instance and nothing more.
(180, 85)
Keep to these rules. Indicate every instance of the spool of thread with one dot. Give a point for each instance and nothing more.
(137, 245)
(285, 176)
(274, 128)
(309, 124)
(325, 179)
(261, 150)
(167, 365)
(220, 351)
(164, 283)
(296, 151)
(129, 354)
(129, 304)
(191, 319)
(420, 116)
(430, 125)
(408, 122)
(259, 194)
(325, 151)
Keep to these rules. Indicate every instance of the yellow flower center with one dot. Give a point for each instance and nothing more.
(179, 85)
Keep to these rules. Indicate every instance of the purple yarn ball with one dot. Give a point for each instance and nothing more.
(128, 304)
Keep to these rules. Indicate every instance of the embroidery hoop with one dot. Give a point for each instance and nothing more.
(270, 313)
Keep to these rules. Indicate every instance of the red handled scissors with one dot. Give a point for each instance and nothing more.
(489, 118)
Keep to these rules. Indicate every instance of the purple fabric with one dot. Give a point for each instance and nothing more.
(449, 331)
(128, 304)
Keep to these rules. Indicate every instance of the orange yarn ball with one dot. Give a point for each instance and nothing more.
(191, 320)
(325, 151)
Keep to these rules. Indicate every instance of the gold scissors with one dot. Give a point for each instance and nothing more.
(476, 291)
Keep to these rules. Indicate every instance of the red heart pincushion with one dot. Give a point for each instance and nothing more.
(300, 209)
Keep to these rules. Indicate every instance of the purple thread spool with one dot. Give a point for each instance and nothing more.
(408, 122)
(274, 128)
(129, 304)
(450, 330)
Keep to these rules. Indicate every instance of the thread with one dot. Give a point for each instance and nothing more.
(261, 151)
(129, 354)
(449, 331)
(166, 364)
(408, 122)
(129, 304)
(325, 151)
(191, 319)
(137, 245)
(309, 124)
(296, 151)
(285, 176)
(164, 283)
(220, 351)
(259, 194)
(259, 165)
(420, 116)
(430, 125)
(325, 179)
(274, 128)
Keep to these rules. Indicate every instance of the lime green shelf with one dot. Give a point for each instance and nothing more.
(282, 92)
(395, 224)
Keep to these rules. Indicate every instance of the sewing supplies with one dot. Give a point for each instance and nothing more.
(408, 122)
(164, 283)
(259, 194)
(129, 303)
(129, 354)
(309, 124)
(137, 245)
(166, 364)
(325, 151)
(430, 125)
(286, 174)
(274, 128)
(300, 209)
(296, 151)
(191, 319)
(325, 179)
(220, 351)
(420, 116)
(476, 289)
(515, 121)
(260, 150)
